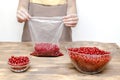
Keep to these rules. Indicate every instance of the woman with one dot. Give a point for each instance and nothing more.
(48, 8)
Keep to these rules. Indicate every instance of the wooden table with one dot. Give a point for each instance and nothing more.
(56, 68)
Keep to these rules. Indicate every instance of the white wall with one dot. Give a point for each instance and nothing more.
(99, 21)
(10, 29)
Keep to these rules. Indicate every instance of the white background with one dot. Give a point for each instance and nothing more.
(99, 20)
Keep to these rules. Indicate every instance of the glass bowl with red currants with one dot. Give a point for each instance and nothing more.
(19, 63)
(89, 60)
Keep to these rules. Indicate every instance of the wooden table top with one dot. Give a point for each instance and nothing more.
(56, 68)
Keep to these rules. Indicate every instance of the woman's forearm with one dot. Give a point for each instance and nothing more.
(22, 11)
(71, 7)
(71, 19)
(23, 4)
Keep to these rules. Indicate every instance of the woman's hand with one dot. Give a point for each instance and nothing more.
(70, 20)
(22, 15)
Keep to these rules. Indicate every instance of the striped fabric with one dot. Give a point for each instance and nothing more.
(49, 2)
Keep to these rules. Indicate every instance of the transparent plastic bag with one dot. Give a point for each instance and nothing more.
(45, 34)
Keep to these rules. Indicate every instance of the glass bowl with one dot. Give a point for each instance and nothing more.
(87, 62)
(18, 68)
(18, 63)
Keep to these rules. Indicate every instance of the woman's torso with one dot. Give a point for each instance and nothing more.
(47, 8)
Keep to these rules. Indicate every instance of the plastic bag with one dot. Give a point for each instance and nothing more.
(45, 34)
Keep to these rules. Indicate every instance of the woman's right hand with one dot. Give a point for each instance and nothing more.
(22, 15)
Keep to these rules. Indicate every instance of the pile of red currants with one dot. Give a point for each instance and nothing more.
(46, 50)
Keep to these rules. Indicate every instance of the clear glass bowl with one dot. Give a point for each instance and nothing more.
(87, 63)
(19, 68)
(19, 63)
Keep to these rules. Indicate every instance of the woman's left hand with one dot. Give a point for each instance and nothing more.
(70, 20)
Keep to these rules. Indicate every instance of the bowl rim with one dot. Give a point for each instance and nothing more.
(88, 54)
(12, 65)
